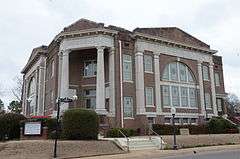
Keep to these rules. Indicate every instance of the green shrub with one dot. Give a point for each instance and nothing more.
(51, 124)
(219, 125)
(168, 129)
(80, 124)
(114, 132)
(10, 125)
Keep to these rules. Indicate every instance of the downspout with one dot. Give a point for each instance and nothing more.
(121, 82)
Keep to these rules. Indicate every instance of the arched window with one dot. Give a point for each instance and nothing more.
(178, 86)
(32, 96)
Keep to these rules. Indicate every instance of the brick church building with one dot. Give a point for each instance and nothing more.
(130, 78)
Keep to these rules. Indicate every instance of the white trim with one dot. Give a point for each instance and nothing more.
(121, 82)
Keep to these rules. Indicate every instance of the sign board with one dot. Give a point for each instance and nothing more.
(184, 131)
(32, 128)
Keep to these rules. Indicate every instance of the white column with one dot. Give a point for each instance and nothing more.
(112, 82)
(215, 111)
(140, 98)
(64, 77)
(200, 79)
(157, 83)
(100, 96)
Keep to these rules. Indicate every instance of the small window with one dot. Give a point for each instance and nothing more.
(205, 73)
(52, 69)
(183, 72)
(208, 101)
(128, 107)
(192, 96)
(177, 121)
(90, 98)
(175, 96)
(127, 67)
(149, 96)
(167, 120)
(185, 121)
(90, 68)
(166, 95)
(217, 79)
(173, 71)
(193, 121)
(219, 104)
(184, 96)
(148, 63)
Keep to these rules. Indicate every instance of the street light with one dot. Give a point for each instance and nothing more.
(173, 111)
(59, 101)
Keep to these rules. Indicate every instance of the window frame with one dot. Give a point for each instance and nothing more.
(130, 63)
(131, 107)
(217, 80)
(151, 89)
(205, 70)
(92, 74)
(145, 63)
(208, 101)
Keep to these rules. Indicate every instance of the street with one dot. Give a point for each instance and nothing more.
(229, 154)
(212, 152)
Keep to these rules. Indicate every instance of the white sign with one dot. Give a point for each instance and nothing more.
(32, 128)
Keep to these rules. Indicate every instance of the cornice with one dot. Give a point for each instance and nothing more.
(85, 32)
(172, 43)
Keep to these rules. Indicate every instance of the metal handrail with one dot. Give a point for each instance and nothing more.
(126, 139)
(150, 129)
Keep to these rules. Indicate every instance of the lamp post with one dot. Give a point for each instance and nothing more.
(59, 101)
(173, 111)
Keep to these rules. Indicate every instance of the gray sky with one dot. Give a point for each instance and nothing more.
(25, 24)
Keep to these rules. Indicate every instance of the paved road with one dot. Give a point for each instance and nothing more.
(229, 154)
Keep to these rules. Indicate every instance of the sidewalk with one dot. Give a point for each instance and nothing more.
(145, 154)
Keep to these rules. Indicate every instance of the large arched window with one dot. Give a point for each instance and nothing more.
(32, 96)
(178, 86)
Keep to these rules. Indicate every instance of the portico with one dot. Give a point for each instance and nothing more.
(102, 87)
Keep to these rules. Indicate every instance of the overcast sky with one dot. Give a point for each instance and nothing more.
(25, 24)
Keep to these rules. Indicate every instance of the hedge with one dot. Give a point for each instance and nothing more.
(10, 125)
(80, 124)
(114, 132)
(217, 125)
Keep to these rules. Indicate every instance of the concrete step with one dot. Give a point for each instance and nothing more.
(135, 144)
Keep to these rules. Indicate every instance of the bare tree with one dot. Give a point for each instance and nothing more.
(233, 103)
(17, 89)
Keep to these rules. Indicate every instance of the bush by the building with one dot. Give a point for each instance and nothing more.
(10, 126)
(115, 132)
(80, 124)
(219, 125)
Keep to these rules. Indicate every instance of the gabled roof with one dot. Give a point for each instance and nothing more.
(36, 52)
(174, 34)
(83, 24)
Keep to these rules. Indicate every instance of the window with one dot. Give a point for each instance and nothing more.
(167, 120)
(184, 96)
(128, 107)
(52, 69)
(32, 91)
(208, 101)
(175, 96)
(205, 73)
(127, 67)
(219, 104)
(185, 121)
(183, 72)
(173, 71)
(149, 96)
(148, 63)
(193, 121)
(90, 68)
(177, 121)
(90, 98)
(166, 95)
(176, 69)
(179, 89)
(192, 95)
(217, 79)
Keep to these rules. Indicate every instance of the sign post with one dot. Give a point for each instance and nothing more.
(173, 111)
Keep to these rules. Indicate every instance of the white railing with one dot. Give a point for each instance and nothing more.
(127, 139)
(150, 130)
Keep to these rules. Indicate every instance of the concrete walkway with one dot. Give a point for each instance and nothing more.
(146, 154)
